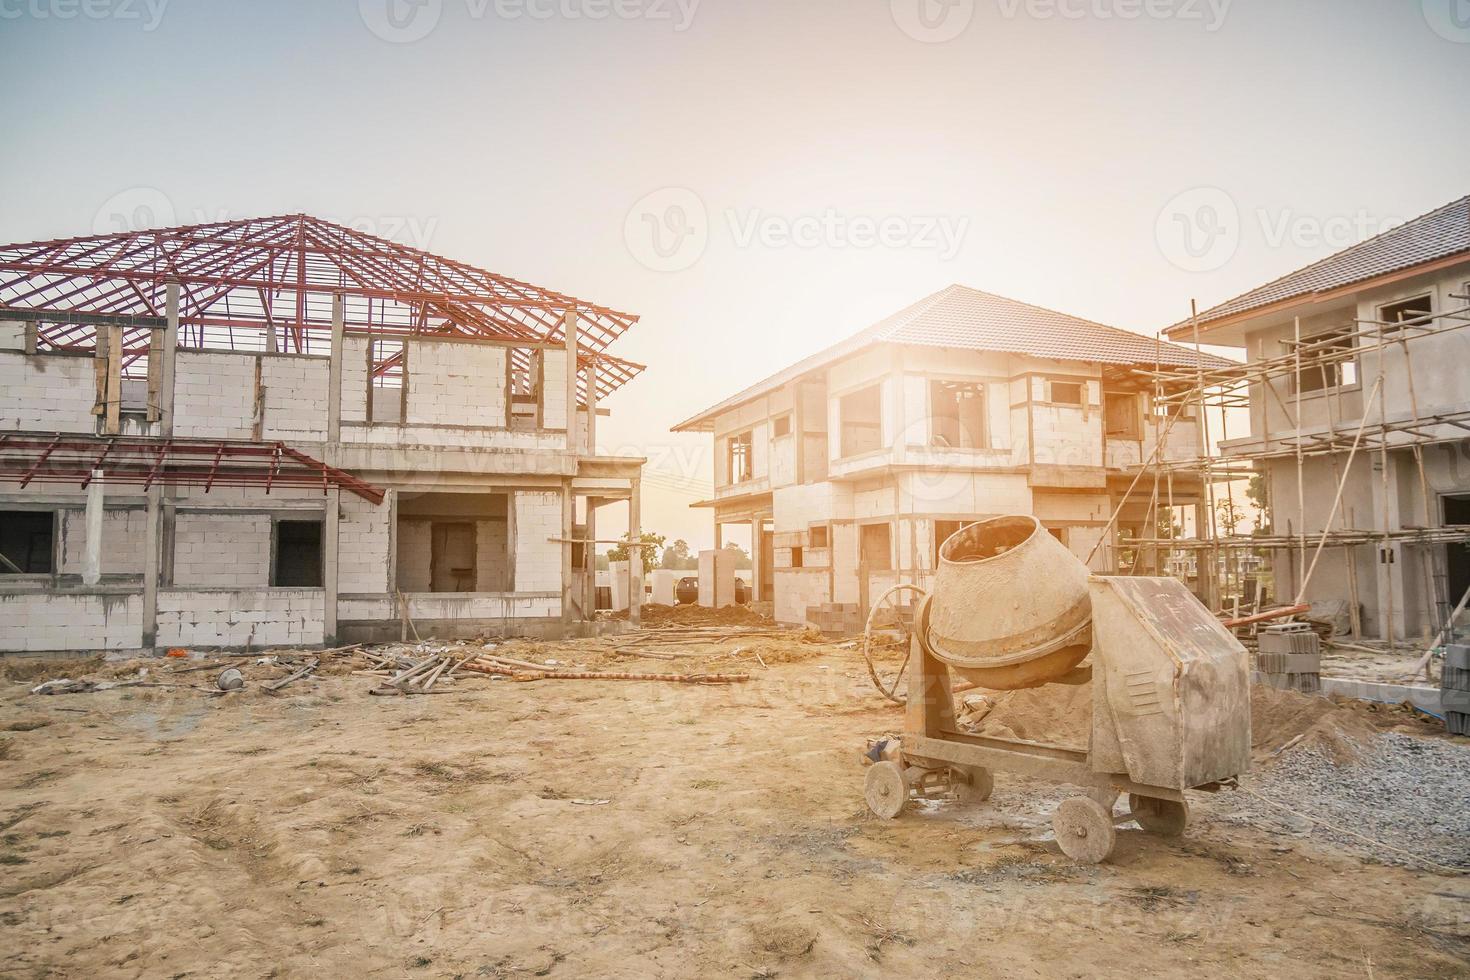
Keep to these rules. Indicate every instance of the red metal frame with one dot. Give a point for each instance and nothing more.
(278, 276)
(170, 462)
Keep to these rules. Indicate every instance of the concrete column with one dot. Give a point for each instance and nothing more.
(719, 535)
(169, 361)
(589, 572)
(330, 530)
(568, 529)
(152, 557)
(757, 576)
(570, 330)
(334, 376)
(590, 373)
(635, 553)
(92, 561)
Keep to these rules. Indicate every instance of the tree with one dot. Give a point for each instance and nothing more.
(1229, 515)
(742, 559)
(651, 544)
(1259, 496)
(678, 556)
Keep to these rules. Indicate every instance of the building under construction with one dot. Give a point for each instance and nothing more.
(1357, 395)
(286, 432)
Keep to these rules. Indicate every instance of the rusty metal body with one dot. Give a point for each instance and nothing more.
(1171, 697)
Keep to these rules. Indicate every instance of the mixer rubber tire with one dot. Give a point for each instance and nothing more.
(1163, 818)
(1084, 830)
(886, 789)
(972, 784)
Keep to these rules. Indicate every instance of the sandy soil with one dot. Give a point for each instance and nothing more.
(572, 828)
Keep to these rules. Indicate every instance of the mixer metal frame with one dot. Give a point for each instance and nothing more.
(933, 743)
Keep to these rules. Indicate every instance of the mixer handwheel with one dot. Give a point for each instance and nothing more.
(886, 789)
(1084, 829)
(1166, 818)
(972, 784)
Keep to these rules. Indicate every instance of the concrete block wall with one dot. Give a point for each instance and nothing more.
(354, 379)
(456, 383)
(717, 578)
(47, 392)
(124, 533)
(554, 384)
(665, 583)
(12, 335)
(79, 622)
(492, 556)
(620, 585)
(537, 560)
(222, 550)
(364, 537)
(296, 397)
(415, 555)
(214, 395)
(240, 617)
(797, 590)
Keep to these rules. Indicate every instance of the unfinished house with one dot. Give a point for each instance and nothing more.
(283, 432)
(1358, 389)
(852, 466)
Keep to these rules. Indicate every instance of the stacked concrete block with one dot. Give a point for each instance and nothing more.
(537, 557)
(459, 384)
(37, 622)
(123, 541)
(296, 397)
(364, 534)
(214, 396)
(619, 577)
(717, 578)
(240, 617)
(47, 392)
(1290, 658)
(222, 551)
(836, 618)
(354, 379)
(554, 387)
(1454, 695)
(492, 556)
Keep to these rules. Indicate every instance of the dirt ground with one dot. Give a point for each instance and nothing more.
(629, 829)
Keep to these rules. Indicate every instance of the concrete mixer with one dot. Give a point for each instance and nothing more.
(1011, 609)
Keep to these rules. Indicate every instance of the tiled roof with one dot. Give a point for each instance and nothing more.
(1439, 234)
(971, 319)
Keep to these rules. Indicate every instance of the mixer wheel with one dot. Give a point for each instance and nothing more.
(1166, 818)
(972, 784)
(886, 789)
(1084, 830)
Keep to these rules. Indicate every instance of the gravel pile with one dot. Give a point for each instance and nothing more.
(1408, 793)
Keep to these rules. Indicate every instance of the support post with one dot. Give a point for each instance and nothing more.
(92, 561)
(330, 542)
(568, 532)
(334, 376)
(590, 372)
(635, 553)
(570, 329)
(152, 556)
(589, 561)
(169, 362)
(757, 574)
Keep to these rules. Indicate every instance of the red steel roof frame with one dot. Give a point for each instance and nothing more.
(66, 458)
(281, 273)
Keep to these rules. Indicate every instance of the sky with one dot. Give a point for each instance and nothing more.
(755, 178)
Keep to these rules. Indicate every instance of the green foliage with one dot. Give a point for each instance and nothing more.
(677, 556)
(649, 551)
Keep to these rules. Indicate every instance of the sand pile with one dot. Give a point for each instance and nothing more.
(1280, 720)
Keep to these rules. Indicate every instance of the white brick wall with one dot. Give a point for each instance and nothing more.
(363, 539)
(554, 410)
(123, 535)
(222, 550)
(51, 622)
(47, 392)
(296, 397)
(12, 335)
(214, 395)
(537, 560)
(492, 556)
(455, 383)
(354, 379)
(237, 618)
